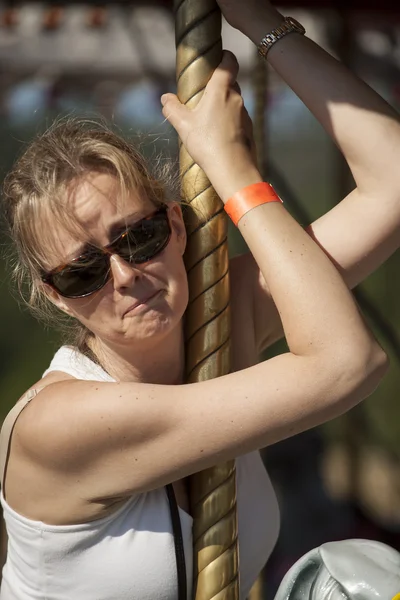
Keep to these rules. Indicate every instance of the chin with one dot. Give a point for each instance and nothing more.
(152, 326)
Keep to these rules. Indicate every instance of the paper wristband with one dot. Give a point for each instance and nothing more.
(249, 197)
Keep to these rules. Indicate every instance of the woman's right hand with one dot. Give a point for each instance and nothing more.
(218, 132)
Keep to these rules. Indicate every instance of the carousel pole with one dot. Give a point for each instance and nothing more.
(212, 492)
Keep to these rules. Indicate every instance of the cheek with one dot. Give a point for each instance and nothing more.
(178, 282)
(86, 309)
(182, 290)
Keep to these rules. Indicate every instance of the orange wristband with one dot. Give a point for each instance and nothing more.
(249, 197)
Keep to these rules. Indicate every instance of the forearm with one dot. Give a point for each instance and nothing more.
(326, 319)
(361, 123)
(317, 311)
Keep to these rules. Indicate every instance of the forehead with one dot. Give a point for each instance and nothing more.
(97, 198)
(96, 204)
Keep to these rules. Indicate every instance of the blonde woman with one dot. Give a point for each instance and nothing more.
(105, 440)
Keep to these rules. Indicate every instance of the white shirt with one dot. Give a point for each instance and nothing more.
(130, 554)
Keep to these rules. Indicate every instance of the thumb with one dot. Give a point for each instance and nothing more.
(174, 111)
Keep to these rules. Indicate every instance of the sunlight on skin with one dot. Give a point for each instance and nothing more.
(105, 312)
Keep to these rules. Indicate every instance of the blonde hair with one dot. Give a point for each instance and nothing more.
(37, 185)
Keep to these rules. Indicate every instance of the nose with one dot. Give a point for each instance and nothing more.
(123, 273)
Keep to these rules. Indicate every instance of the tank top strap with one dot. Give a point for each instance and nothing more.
(7, 429)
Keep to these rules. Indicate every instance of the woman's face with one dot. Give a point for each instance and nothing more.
(139, 303)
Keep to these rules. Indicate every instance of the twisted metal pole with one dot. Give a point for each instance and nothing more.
(212, 492)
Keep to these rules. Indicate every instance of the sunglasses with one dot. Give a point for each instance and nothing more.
(90, 271)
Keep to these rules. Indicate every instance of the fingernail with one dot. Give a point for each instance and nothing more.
(163, 98)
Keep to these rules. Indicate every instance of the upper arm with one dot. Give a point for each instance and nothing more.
(110, 439)
(358, 235)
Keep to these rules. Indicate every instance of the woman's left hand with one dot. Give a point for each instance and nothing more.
(217, 133)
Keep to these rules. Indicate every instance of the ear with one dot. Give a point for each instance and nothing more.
(56, 299)
(177, 224)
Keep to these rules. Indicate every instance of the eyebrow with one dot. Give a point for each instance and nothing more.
(120, 226)
(114, 230)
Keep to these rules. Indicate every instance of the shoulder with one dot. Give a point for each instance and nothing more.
(48, 380)
(44, 411)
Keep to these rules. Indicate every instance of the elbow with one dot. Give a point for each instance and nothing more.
(375, 366)
(363, 369)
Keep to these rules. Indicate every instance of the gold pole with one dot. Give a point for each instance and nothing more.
(212, 492)
(257, 591)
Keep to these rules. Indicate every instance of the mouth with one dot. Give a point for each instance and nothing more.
(144, 303)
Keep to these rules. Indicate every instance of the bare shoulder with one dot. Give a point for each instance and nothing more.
(31, 484)
(41, 437)
(47, 416)
(49, 379)
(71, 420)
(45, 391)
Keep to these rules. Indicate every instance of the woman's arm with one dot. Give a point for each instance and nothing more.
(111, 440)
(359, 121)
(364, 229)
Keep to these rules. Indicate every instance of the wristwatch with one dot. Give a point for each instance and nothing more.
(289, 25)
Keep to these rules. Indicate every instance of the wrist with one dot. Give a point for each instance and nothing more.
(227, 181)
(257, 26)
(248, 198)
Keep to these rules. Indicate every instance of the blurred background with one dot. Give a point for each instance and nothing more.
(116, 59)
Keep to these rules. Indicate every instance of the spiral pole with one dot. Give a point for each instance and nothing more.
(212, 492)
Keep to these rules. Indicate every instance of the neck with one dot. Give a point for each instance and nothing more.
(158, 361)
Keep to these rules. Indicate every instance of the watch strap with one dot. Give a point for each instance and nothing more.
(289, 25)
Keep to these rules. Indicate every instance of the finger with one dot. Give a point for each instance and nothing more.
(237, 88)
(248, 129)
(174, 111)
(226, 73)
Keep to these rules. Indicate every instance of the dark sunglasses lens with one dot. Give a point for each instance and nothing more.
(75, 282)
(144, 241)
(139, 244)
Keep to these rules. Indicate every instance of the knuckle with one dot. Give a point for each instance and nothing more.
(239, 101)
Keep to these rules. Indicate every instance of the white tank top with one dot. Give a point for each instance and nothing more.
(130, 554)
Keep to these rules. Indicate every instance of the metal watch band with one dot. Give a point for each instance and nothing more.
(289, 25)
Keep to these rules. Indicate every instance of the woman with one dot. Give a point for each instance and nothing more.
(83, 498)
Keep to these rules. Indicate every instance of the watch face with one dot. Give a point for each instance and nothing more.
(296, 25)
